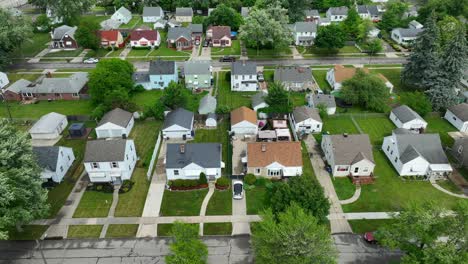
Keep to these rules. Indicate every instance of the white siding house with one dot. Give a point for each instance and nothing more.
(304, 33)
(3, 80)
(178, 124)
(457, 115)
(244, 121)
(407, 118)
(244, 76)
(337, 14)
(405, 36)
(152, 14)
(49, 126)
(116, 123)
(110, 160)
(123, 15)
(54, 161)
(306, 120)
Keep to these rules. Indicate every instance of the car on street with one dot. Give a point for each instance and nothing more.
(238, 190)
(91, 61)
(227, 59)
(369, 238)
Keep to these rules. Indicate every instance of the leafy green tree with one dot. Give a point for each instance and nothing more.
(454, 57)
(296, 9)
(294, 236)
(198, 20)
(367, 91)
(351, 24)
(373, 46)
(417, 101)
(87, 34)
(331, 37)
(417, 229)
(42, 23)
(392, 18)
(363, 30)
(187, 247)
(448, 27)
(22, 197)
(69, 10)
(15, 31)
(175, 95)
(278, 99)
(224, 16)
(322, 109)
(443, 8)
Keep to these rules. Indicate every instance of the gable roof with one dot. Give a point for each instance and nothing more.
(343, 73)
(184, 11)
(72, 84)
(305, 27)
(325, 99)
(302, 113)
(149, 11)
(177, 32)
(415, 24)
(219, 32)
(460, 111)
(312, 13)
(197, 67)
(117, 116)
(293, 74)
(405, 114)
(48, 123)
(206, 155)
(63, 30)
(351, 148)
(105, 150)
(244, 68)
(368, 9)
(258, 99)
(341, 10)
(109, 35)
(180, 117)
(110, 24)
(139, 33)
(427, 146)
(207, 104)
(409, 32)
(243, 114)
(196, 28)
(286, 153)
(158, 67)
(47, 157)
(124, 12)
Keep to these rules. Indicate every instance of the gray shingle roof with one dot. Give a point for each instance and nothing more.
(258, 98)
(124, 12)
(184, 11)
(428, 146)
(117, 116)
(72, 84)
(180, 117)
(312, 13)
(460, 111)
(197, 67)
(409, 32)
(196, 28)
(405, 114)
(305, 27)
(140, 77)
(207, 105)
(105, 150)
(61, 31)
(48, 123)
(110, 24)
(177, 32)
(346, 149)
(243, 68)
(373, 10)
(302, 113)
(340, 11)
(158, 67)
(293, 74)
(361, 9)
(149, 11)
(325, 99)
(47, 157)
(206, 155)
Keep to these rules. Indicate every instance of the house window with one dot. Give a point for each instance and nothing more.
(257, 171)
(129, 168)
(176, 172)
(57, 94)
(388, 148)
(391, 152)
(75, 94)
(396, 159)
(127, 156)
(274, 172)
(68, 43)
(318, 125)
(68, 158)
(365, 169)
(454, 118)
(95, 165)
(356, 170)
(61, 168)
(342, 168)
(114, 164)
(131, 148)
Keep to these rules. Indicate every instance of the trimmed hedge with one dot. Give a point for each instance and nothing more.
(250, 179)
(222, 182)
(202, 179)
(126, 186)
(101, 187)
(181, 184)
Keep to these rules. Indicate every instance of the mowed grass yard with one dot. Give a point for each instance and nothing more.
(182, 203)
(268, 53)
(231, 99)
(344, 187)
(121, 231)
(437, 124)
(94, 204)
(217, 229)
(35, 111)
(220, 203)
(320, 77)
(84, 231)
(376, 127)
(33, 46)
(337, 125)
(233, 50)
(368, 225)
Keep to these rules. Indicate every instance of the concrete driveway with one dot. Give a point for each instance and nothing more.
(239, 207)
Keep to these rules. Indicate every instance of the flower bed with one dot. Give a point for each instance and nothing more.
(221, 188)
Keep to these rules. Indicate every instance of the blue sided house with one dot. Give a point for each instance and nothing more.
(159, 75)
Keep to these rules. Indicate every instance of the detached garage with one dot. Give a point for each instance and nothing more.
(49, 126)
(116, 123)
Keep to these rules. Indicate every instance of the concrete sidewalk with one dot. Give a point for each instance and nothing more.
(205, 202)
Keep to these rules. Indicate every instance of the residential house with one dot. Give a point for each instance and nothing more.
(244, 121)
(327, 100)
(274, 159)
(416, 154)
(411, 12)
(457, 115)
(184, 14)
(312, 15)
(306, 120)
(188, 161)
(405, 117)
(295, 78)
(110, 24)
(123, 15)
(460, 151)
(144, 38)
(73, 87)
(207, 105)
(178, 124)
(338, 74)
(304, 33)
(258, 101)
(337, 14)
(152, 14)
(405, 36)
(63, 37)
(244, 76)
(324, 21)
(349, 155)
(3, 80)
(197, 74)
(159, 75)
(160, 24)
(54, 161)
(245, 11)
(415, 24)
(220, 36)
(110, 160)
(172, 23)
(370, 12)
(211, 120)
(115, 123)
(179, 38)
(49, 126)
(197, 31)
(111, 38)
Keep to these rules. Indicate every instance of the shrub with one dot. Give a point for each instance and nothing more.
(184, 183)
(228, 76)
(202, 179)
(109, 48)
(222, 182)
(99, 188)
(250, 179)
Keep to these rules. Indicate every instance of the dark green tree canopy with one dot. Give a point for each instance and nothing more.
(175, 95)
(87, 34)
(224, 16)
(69, 10)
(417, 101)
(331, 37)
(186, 247)
(351, 24)
(392, 18)
(278, 99)
(14, 32)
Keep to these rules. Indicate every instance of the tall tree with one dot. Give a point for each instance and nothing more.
(186, 247)
(224, 16)
(331, 37)
(296, 237)
(278, 99)
(454, 57)
(441, 92)
(392, 18)
(351, 24)
(69, 10)
(296, 9)
(417, 101)
(87, 34)
(14, 32)
(448, 27)
(22, 198)
(174, 96)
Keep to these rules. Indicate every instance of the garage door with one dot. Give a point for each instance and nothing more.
(104, 133)
(116, 133)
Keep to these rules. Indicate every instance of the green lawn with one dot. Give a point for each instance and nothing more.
(307, 169)
(439, 125)
(132, 203)
(320, 77)
(376, 127)
(165, 229)
(450, 186)
(233, 50)
(344, 187)
(64, 53)
(13, 77)
(119, 231)
(29, 232)
(116, 53)
(298, 98)
(390, 193)
(95, 18)
(268, 53)
(145, 134)
(337, 125)
(220, 203)
(94, 204)
(84, 231)
(35, 111)
(34, 45)
(366, 225)
(319, 51)
(393, 75)
(186, 203)
(255, 199)
(219, 229)
(231, 99)
(138, 52)
(146, 98)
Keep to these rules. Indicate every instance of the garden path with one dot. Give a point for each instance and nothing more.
(438, 187)
(211, 188)
(355, 196)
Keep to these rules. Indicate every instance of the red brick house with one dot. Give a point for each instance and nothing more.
(145, 38)
(69, 88)
(63, 37)
(111, 38)
(179, 38)
(220, 36)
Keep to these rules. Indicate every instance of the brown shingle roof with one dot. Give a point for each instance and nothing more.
(344, 73)
(286, 153)
(243, 113)
(220, 31)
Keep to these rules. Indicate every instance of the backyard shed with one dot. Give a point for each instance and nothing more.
(77, 130)
(211, 120)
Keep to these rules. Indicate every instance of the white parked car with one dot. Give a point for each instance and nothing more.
(90, 61)
(238, 190)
